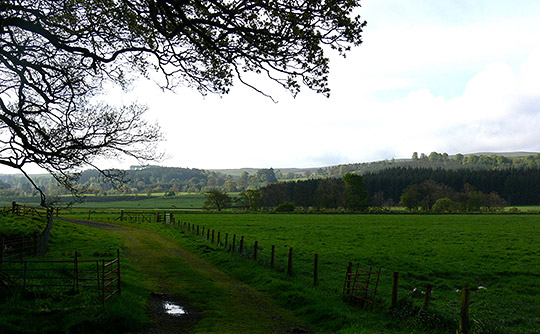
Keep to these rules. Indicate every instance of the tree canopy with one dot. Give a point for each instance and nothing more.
(56, 57)
(217, 199)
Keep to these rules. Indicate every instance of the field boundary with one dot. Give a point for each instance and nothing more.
(25, 210)
(101, 276)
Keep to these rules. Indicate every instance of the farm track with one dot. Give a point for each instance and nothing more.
(247, 310)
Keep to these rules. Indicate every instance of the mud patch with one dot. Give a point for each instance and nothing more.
(169, 314)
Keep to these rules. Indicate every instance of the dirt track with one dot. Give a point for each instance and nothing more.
(153, 255)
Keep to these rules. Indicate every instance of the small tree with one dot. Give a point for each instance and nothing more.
(216, 199)
(356, 196)
(494, 201)
(411, 197)
(251, 199)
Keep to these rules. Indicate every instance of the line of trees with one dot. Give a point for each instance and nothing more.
(515, 186)
(418, 189)
(347, 192)
(430, 196)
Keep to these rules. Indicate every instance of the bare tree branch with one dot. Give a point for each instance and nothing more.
(56, 57)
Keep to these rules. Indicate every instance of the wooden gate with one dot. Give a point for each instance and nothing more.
(361, 286)
(100, 276)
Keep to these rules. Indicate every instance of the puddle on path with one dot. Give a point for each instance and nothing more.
(169, 314)
(173, 309)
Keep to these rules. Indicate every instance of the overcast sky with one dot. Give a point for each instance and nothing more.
(448, 76)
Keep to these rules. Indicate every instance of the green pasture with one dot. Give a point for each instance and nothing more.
(182, 201)
(26, 226)
(186, 201)
(497, 256)
(526, 209)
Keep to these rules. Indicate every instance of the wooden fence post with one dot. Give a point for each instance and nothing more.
(76, 272)
(226, 240)
(255, 250)
(197, 229)
(290, 263)
(316, 270)
(348, 278)
(202, 232)
(395, 285)
(98, 278)
(13, 207)
(272, 263)
(103, 283)
(218, 237)
(25, 271)
(22, 248)
(233, 242)
(118, 272)
(212, 235)
(241, 245)
(3, 245)
(122, 215)
(427, 297)
(207, 234)
(35, 243)
(464, 321)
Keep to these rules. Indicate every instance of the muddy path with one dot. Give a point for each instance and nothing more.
(215, 302)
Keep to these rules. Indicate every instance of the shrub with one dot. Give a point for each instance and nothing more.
(445, 205)
(285, 207)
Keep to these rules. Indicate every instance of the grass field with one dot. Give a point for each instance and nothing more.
(180, 201)
(187, 201)
(495, 255)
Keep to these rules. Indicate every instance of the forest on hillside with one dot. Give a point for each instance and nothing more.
(513, 177)
(415, 188)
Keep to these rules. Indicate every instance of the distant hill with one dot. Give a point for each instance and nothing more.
(481, 160)
(504, 154)
(170, 180)
(239, 171)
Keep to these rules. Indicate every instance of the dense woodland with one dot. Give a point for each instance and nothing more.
(514, 178)
(417, 188)
(516, 186)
